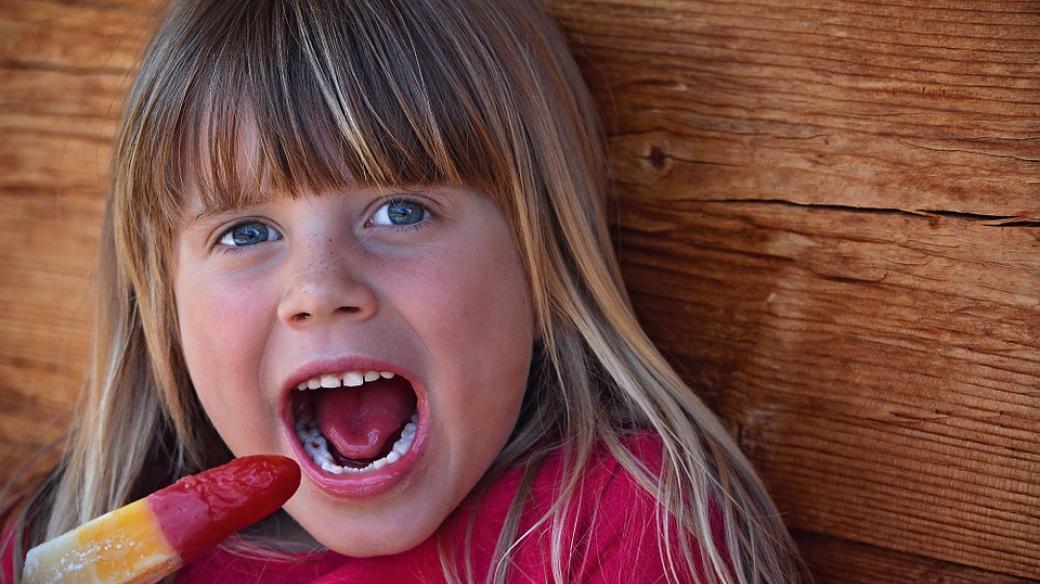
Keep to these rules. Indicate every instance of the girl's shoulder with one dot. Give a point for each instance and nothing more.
(9, 527)
(604, 480)
(7, 554)
(612, 531)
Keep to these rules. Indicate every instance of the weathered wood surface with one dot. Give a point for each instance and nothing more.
(910, 105)
(832, 559)
(828, 216)
(881, 369)
(64, 71)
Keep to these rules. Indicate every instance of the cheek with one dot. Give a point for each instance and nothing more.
(474, 318)
(476, 301)
(215, 323)
(221, 328)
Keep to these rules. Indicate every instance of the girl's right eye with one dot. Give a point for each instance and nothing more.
(248, 233)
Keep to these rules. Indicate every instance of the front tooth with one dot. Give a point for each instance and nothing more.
(313, 383)
(353, 379)
(329, 381)
(371, 375)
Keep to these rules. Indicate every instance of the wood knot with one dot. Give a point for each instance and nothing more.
(657, 157)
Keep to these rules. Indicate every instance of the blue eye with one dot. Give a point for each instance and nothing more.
(400, 213)
(249, 233)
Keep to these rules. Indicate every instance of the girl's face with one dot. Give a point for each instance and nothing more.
(425, 284)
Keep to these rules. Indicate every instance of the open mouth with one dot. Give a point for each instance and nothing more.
(355, 422)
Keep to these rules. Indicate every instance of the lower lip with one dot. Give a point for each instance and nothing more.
(360, 485)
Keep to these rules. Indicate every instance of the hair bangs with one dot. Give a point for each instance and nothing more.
(295, 101)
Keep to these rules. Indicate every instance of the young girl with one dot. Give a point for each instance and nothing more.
(370, 235)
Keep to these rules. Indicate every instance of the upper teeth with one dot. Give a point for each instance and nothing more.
(347, 379)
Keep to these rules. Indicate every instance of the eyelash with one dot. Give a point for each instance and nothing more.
(427, 216)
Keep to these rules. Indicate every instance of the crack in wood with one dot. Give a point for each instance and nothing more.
(969, 216)
(657, 159)
(1024, 223)
(1021, 220)
(964, 151)
(52, 67)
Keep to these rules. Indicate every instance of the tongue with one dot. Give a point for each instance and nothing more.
(361, 421)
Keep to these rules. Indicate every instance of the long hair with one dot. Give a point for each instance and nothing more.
(383, 93)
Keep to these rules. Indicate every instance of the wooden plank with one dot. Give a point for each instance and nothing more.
(876, 360)
(64, 70)
(837, 561)
(913, 105)
(881, 369)
(84, 38)
(48, 244)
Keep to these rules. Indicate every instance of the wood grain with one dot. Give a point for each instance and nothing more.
(64, 72)
(828, 216)
(880, 368)
(914, 105)
(837, 561)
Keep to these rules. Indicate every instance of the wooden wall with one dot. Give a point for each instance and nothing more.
(828, 215)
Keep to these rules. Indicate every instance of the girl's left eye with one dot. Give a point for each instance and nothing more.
(401, 213)
(249, 233)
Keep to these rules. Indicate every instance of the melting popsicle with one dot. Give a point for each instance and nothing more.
(154, 536)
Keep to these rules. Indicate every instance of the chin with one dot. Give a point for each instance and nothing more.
(368, 549)
(365, 543)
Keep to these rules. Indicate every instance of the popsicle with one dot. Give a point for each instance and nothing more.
(152, 537)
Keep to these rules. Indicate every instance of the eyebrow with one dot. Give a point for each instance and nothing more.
(205, 214)
(190, 222)
(219, 210)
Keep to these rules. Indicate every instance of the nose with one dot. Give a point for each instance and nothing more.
(323, 286)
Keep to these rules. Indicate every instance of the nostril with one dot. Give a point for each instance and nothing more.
(301, 317)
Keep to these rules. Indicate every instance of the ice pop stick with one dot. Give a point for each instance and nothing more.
(154, 536)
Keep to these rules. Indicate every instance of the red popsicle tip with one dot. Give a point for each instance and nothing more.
(198, 512)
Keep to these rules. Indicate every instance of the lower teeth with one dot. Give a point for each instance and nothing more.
(317, 448)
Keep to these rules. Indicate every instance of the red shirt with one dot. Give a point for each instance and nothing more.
(612, 521)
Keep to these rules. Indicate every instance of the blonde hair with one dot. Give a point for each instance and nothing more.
(393, 93)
